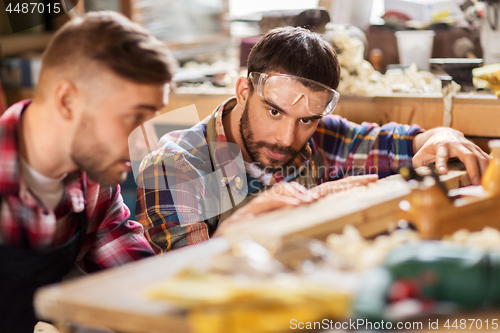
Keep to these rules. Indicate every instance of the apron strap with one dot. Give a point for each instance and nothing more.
(211, 135)
(212, 139)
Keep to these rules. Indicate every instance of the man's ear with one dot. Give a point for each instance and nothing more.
(242, 90)
(65, 99)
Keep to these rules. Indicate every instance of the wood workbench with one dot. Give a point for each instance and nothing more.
(474, 114)
(477, 115)
(116, 298)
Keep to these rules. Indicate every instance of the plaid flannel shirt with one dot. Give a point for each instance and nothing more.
(338, 148)
(110, 240)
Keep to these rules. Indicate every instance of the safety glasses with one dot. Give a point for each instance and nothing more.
(288, 90)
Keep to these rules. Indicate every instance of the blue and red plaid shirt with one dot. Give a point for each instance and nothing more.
(111, 239)
(174, 216)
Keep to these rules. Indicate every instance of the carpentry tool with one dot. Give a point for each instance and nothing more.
(435, 214)
(430, 272)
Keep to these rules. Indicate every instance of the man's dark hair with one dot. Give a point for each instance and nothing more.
(296, 51)
(112, 41)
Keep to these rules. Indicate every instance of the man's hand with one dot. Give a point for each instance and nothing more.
(440, 144)
(284, 194)
(291, 194)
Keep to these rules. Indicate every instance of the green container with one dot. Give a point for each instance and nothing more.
(493, 296)
(444, 272)
(469, 277)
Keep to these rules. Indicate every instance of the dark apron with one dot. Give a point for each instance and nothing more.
(22, 271)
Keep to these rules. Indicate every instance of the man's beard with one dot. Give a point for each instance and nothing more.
(92, 157)
(254, 149)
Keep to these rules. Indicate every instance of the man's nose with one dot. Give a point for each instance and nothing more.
(286, 133)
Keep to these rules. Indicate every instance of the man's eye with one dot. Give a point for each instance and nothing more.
(136, 119)
(305, 121)
(274, 112)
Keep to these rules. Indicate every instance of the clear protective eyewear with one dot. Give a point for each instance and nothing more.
(285, 90)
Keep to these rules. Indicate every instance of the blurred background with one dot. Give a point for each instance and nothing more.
(395, 54)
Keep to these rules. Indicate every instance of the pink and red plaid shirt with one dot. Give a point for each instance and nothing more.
(111, 239)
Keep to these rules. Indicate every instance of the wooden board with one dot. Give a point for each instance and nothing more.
(116, 298)
(371, 209)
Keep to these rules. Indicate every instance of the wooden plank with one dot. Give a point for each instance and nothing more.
(371, 212)
(327, 215)
(372, 209)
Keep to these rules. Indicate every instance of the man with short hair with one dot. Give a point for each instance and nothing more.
(63, 154)
(281, 121)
